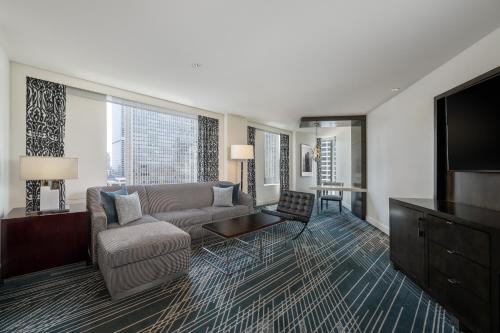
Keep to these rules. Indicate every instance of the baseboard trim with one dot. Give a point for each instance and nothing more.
(346, 205)
(377, 224)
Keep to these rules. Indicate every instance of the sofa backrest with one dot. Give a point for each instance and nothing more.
(162, 198)
(172, 197)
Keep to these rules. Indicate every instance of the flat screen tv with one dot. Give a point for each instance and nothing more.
(473, 127)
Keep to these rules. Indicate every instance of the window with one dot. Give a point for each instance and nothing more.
(271, 158)
(329, 160)
(148, 145)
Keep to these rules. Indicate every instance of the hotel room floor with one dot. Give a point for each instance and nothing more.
(335, 278)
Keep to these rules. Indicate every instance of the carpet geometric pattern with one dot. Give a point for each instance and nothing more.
(335, 278)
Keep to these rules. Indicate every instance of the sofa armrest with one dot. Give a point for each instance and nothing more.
(98, 220)
(99, 223)
(247, 200)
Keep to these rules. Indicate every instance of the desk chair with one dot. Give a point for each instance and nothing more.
(332, 197)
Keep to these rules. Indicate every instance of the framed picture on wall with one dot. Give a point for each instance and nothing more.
(306, 160)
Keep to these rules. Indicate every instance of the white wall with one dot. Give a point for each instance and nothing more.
(400, 132)
(236, 134)
(4, 131)
(85, 132)
(86, 139)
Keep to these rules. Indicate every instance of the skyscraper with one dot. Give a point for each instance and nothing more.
(153, 147)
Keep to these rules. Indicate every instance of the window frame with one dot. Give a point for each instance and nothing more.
(161, 166)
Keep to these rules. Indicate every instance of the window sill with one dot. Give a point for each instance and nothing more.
(272, 184)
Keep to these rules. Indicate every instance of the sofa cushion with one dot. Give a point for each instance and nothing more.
(223, 197)
(140, 189)
(122, 246)
(142, 220)
(236, 191)
(128, 208)
(220, 213)
(184, 218)
(109, 205)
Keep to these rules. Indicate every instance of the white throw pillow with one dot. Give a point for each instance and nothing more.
(223, 197)
(128, 208)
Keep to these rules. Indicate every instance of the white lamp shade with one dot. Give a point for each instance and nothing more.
(241, 152)
(48, 168)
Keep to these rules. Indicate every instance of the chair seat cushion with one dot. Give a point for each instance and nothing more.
(184, 218)
(142, 220)
(220, 213)
(331, 197)
(122, 246)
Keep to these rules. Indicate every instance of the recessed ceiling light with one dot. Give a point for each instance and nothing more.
(196, 65)
(395, 89)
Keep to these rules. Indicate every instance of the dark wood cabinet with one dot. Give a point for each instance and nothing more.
(452, 251)
(34, 243)
(407, 241)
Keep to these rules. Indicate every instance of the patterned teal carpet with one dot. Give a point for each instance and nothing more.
(335, 278)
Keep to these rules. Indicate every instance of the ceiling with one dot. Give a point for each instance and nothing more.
(271, 61)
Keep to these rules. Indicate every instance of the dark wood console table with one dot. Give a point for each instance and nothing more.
(31, 243)
(452, 251)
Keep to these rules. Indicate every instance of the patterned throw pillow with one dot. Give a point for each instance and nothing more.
(128, 208)
(223, 197)
(236, 192)
(108, 203)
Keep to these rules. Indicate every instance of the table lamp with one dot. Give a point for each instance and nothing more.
(242, 153)
(49, 170)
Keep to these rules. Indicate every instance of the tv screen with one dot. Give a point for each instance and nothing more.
(473, 127)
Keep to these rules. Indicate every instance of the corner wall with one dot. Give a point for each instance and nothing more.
(4, 131)
(400, 132)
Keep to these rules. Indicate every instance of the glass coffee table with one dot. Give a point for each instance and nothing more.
(238, 234)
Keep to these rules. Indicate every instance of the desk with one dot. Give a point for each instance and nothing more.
(338, 188)
(344, 189)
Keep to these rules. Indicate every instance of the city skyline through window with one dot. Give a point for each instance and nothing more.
(147, 146)
(271, 158)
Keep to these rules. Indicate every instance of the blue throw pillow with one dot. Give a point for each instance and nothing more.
(236, 192)
(108, 202)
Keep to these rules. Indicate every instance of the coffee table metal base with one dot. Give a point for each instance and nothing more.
(253, 250)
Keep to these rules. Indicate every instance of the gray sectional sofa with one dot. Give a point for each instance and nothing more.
(186, 206)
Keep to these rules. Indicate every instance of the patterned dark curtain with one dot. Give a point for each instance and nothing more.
(208, 149)
(45, 122)
(284, 162)
(251, 167)
(318, 164)
(318, 171)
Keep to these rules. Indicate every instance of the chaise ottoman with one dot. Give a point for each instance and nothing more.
(139, 257)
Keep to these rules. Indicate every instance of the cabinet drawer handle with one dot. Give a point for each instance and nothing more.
(420, 229)
(453, 281)
(452, 252)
